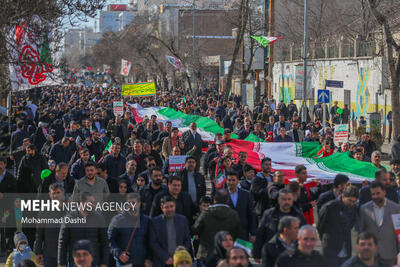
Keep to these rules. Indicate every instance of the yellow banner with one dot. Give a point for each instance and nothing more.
(139, 89)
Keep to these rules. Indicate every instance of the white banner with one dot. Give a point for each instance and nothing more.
(341, 134)
(31, 62)
(125, 67)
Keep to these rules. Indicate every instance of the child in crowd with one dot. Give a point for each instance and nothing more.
(21, 252)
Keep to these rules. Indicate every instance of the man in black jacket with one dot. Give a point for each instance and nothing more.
(148, 192)
(367, 249)
(30, 168)
(115, 162)
(336, 219)
(167, 231)
(339, 184)
(61, 177)
(308, 196)
(259, 188)
(304, 255)
(192, 182)
(44, 247)
(274, 187)
(268, 225)
(8, 185)
(93, 230)
(242, 202)
(183, 203)
(383, 177)
(284, 240)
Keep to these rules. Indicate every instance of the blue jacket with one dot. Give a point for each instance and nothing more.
(159, 238)
(119, 233)
(16, 139)
(60, 154)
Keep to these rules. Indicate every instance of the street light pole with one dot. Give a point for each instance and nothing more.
(194, 43)
(304, 117)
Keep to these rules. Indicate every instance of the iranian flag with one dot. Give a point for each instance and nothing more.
(131, 125)
(284, 156)
(109, 147)
(265, 40)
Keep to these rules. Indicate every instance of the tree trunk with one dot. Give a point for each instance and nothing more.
(393, 62)
(395, 99)
(243, 14)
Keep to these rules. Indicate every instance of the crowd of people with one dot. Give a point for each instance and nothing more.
(59, 145)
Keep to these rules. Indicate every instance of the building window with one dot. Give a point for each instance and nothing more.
(333, 51)
(348, 49)
(297, 54)
(320, 52)
(366, 48)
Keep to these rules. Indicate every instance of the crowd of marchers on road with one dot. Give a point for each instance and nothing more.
(58, 145)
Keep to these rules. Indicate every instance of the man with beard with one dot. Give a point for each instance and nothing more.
(60, 177)
(383, 177)
(268, 225)
(95, 146)
(83, 253)
(376, 218)
(78, 168)
(367, 248)
(91, 183)
(183, 202)
(148, 192)
(115, 162)
(395, 167)
(30, 168)
(130, 173)
(138, 156)
(61, 151)
(163, 243)
(120, 230)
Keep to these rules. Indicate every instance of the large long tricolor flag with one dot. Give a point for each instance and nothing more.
(285, 156)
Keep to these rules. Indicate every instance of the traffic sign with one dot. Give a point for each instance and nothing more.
(323, 96)
(332, 83)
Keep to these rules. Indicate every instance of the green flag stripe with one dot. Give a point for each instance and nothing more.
(202, 122)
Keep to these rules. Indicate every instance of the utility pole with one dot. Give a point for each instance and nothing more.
(304, 117)
(194, 44)
(270, 47)
(266, 68)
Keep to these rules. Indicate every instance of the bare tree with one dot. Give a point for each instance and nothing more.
(244, 14)
(392, 52)
(44, 20)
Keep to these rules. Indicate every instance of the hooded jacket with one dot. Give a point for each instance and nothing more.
(218, 217)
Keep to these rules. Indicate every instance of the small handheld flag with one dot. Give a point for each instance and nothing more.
(109, 147)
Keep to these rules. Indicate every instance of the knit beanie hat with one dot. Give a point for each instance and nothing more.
(19, 237)
(181, 256)
(83, 244)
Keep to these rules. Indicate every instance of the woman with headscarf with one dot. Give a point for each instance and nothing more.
(223, 241)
